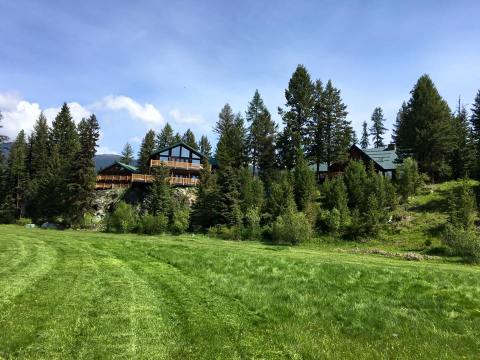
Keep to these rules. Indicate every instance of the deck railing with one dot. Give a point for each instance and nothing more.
(176, 164)
(111, 181)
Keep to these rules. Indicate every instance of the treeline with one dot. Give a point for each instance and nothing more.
(50, 175)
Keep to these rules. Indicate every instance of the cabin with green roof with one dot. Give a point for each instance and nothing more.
(183, 161)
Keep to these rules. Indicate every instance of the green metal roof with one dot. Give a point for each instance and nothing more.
(387, 159)
(131, 168)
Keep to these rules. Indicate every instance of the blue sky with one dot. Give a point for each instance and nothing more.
(138, 64)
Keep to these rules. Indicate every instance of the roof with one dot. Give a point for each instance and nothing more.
(175, 145)
(383, 157)
(127, 167)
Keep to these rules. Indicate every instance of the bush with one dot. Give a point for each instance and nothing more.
(462, 242)
(225, 232)
(291, 228)
(122, 220)
(152, 225)
(23, 221)
(180, 219)
(409, 179)
(252, 229)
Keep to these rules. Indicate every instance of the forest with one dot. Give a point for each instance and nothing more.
(267, 183)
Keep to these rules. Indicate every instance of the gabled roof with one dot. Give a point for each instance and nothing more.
(131, 168)
(383, 157)
(178, 144)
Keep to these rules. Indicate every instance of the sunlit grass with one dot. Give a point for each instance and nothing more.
(91, 295)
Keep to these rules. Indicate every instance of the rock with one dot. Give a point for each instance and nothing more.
(30, 226)
(49, 225)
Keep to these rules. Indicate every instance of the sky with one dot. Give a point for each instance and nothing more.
(140, 64)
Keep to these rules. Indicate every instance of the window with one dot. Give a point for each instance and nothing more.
(195, 161)
(176, 151)
(164, 153)
(195, 156)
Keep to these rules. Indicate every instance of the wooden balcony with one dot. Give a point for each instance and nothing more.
(176, 164)
(122, 181)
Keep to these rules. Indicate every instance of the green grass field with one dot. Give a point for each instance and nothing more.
(93, 295)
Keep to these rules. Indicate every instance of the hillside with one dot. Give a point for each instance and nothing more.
(93, 295)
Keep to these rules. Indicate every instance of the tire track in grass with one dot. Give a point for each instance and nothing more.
(35, 260)
(42, 320)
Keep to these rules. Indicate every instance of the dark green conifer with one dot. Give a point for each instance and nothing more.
(364, 142)
(377, 130)
(127, 154)
(189, 139)
(205, 147)
(146, 150)
(165, 137)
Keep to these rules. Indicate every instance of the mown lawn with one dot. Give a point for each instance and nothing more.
(92, 295)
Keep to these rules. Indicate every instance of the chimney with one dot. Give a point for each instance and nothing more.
(391, 146)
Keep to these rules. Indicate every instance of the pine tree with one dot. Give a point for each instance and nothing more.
(3, 138)
(2, 167)
(426, 129)
(82, 178)
(475, 122)
(337, 130)
(39, 163)
(251, 191)
(377, 130)
(463, 156)
(17, 177)
(177, 138)
(159, 197)
(304, 185)
(146, 150)
(299, 110)
(63, 150)
(205, 147)
(127, 154)
(189, 139)
(228, 207)
(204, 211)
(365, 141)
(231, 146)
(165, 137)
(316, 128)
(261, 138)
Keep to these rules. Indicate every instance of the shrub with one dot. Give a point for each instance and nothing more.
(23, 221)
(180, 219)
(462, 242)
(291, 228)
(122, 220)
(409, 179)
(252, 229)
(462, 206)
(225, 232)
(150, 224)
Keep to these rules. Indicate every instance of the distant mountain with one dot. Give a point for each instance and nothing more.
(101, 160)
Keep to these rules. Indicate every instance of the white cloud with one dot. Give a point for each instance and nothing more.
(180, 118)
(135, 140)
(146, 112)
(77, 111)
(17, 114)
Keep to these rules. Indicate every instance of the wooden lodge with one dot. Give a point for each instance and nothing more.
(384, 159)
(183, 162)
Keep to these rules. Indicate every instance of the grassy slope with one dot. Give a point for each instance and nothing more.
(84, 295)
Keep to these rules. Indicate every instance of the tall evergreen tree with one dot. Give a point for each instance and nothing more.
(316, 128)
(426, 129)
(261, 138)
(463, 156)
(3, 138)
(127, 154)
(231, 146)
(159, 197)
(228, 204)
(205, 147)
(377, 130)
(17, 177)
(299, 110)
(82, 179)
(177, 138)
(337, 133)
(364, 142)
(2, 167)
(189, 139)
(204, 211)
(63, 150)
(165, 137)
(475, 122)
(146, 149)
(40, 159)
(304, 184)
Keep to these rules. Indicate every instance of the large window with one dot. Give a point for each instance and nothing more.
(176, 151)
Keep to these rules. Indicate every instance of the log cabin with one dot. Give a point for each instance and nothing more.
(183, 161)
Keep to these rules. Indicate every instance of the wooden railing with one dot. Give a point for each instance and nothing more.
(113, 181)
(176, 164)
